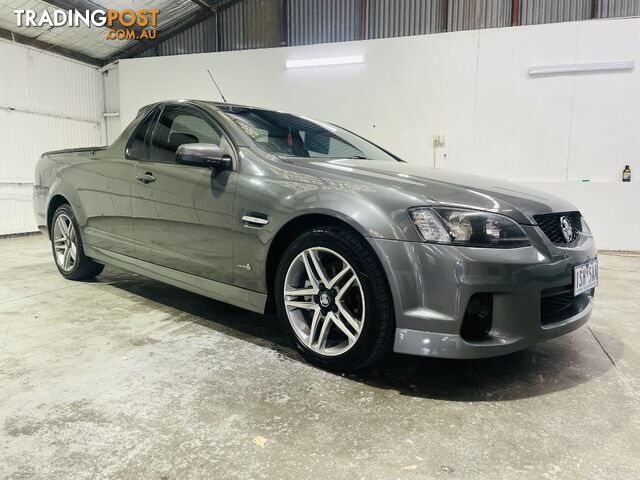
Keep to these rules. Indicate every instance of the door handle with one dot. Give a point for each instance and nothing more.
(146, 177)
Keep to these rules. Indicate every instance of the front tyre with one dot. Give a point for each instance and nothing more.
(67, 248)
(333, 299)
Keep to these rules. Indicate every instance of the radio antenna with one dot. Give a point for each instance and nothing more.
(216, 84)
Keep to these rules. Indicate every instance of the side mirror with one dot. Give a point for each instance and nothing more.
(203, 155)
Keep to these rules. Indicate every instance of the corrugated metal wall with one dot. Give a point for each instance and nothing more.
(250, 24)
(473, 14)
(271, 23)
(550, 11)
(262, 23)
(322, 21)
(46, 103)
(619, 8)
(197, 39)
(397, 18)
(200, 38)
(231, 22)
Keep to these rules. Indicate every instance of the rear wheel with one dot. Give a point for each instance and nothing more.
(333, 299)
(67, 248)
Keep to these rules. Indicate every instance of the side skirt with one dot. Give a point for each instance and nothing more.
(222, 292)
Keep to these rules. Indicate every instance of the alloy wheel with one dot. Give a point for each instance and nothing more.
(65, 243)
(324, 301)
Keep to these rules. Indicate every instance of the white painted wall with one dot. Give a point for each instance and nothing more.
(472, 86)
(47, 102)
(111, 85)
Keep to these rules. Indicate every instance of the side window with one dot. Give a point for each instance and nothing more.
(138, 144)
(288, 135)
(179, 125)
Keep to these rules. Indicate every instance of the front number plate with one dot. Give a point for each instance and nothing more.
(585, 277)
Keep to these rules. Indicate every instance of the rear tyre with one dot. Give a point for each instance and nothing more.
(66, 244)
(333, 299)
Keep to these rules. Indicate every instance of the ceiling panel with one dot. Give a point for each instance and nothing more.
(92, 41)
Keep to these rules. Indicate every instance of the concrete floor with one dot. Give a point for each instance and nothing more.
(124, 377)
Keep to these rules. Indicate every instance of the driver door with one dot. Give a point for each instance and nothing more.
(183, 214)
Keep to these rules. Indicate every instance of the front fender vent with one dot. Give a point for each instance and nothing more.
(255, 220)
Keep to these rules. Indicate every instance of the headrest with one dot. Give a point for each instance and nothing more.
(176, 139)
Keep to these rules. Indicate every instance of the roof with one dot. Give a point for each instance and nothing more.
(90, 44)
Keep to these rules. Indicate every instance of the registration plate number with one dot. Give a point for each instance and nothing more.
(585, 277)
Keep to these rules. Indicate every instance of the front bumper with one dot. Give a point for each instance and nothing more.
(431, 286)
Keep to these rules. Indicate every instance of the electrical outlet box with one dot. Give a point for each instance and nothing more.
(438, 140)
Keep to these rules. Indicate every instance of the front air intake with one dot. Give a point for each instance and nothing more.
(559, 304)
(478, 317)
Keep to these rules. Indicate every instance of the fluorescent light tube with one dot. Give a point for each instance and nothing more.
(581, 67)
(323, 62)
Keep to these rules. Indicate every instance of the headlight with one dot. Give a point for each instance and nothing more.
(470, 228)
(585, 228)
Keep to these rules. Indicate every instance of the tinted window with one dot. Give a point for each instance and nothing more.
(138, 145)
(289, 135)
(183, 124)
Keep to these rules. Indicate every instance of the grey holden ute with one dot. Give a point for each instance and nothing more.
(357, 251)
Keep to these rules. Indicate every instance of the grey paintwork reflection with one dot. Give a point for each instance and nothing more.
(184, 219)
(187, 225)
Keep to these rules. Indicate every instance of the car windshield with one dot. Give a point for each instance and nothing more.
(287, 135)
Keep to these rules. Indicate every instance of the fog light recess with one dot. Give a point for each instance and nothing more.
(476, 324)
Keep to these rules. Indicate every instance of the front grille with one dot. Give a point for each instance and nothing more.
(552, 225)
(557, 304)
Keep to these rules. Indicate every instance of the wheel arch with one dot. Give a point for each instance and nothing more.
(55, 203)
(287, 234)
